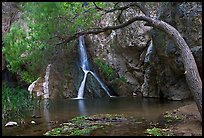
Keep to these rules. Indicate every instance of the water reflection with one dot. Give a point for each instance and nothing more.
(81, 107)
(46, 113)
(41, 111)
(64, 110)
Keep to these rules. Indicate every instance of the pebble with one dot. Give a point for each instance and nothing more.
(33, 122)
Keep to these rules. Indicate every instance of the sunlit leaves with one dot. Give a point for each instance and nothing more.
(43, 21)
(14, 46)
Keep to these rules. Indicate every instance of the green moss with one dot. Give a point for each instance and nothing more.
(169, 118)
(157, 132)
(80, 132)
(106, 70)
(122, 79)
(55, 132)
(84, 125)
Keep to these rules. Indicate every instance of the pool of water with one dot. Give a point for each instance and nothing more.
(59, 111)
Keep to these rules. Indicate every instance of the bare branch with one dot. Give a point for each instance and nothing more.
(63, 17)
(140, 6)
(98, 7)
(100, 30)
(137, 4)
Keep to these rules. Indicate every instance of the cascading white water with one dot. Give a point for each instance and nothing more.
(81, 88)
(86, 69)
(83, 54)
(149, 51)
(100, 83)
(45, 84)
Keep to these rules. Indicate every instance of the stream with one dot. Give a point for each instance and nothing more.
(59, 111)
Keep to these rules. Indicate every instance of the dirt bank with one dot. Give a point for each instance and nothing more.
(190, 124)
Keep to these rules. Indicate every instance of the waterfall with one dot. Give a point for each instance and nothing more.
(149, 51)
(84, 64)
(83, 54)
(45, 84)
(104, 88)
(81, 88)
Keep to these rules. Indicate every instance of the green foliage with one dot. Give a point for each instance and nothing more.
(105, 68)
(122, 79)
(40, 18)
(71, 132)
(27, 77)
(76, 127)
(80, 132)
(15, 100)
(16, 44)
(79, 118)
(34, 34)
(62, 17)
(83, 125)
(157, 132)
(55, 132)
(169, 118)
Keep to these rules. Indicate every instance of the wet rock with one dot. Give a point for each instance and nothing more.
(121, 88)
(36, 88)
(33, 122)
(10, 124)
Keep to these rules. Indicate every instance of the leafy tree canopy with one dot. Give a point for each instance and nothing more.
(43, 24)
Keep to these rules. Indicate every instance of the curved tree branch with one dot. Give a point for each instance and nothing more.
(99, 8)
(137, 4)
(100, 30)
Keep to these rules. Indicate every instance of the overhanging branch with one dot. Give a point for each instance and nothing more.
(100, 30)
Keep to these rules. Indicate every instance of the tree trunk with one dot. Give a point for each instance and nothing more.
(191, 71)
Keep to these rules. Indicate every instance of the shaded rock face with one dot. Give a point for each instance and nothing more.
(3, 62)
(63, 80)
(63, 75)
(10, 14)
(66, 75)
(125, 50)
(164, 74)
(8, 76)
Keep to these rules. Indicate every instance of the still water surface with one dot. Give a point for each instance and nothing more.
(60, 111)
